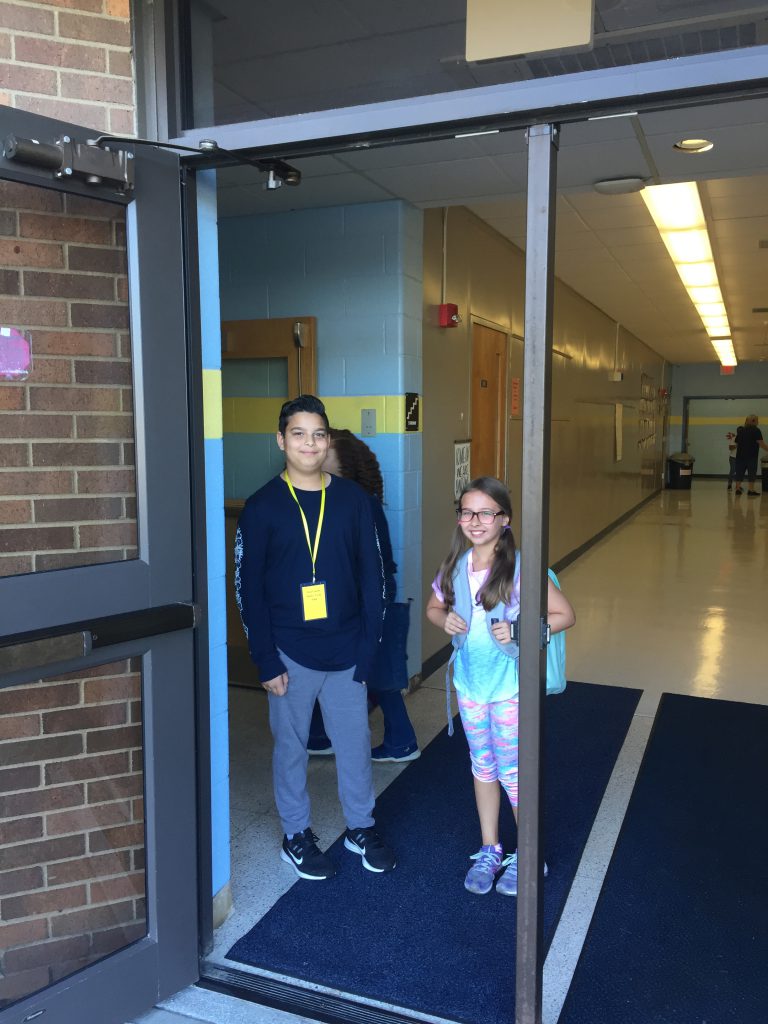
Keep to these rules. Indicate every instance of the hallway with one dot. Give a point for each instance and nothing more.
(666, 603)
(671, 600)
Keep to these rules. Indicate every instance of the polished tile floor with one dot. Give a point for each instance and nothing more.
(670, 601)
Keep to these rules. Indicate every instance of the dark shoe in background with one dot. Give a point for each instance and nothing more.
(320, 748)
(385, 753)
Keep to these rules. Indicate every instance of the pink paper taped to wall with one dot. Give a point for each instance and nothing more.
(15, 354)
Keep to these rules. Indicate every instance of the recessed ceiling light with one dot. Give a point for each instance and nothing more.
(694, 145)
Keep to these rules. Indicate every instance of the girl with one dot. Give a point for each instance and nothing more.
(476, 599)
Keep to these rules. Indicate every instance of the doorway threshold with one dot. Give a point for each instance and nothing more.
(295, 997)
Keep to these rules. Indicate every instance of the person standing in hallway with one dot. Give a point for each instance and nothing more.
(749, 441)
(731, 439)
(309, 586)
(351, 458)
(476, 599)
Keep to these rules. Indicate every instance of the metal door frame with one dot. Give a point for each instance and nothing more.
(146, 607)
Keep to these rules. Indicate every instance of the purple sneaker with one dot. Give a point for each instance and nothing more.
(507, 884)
(482, 873)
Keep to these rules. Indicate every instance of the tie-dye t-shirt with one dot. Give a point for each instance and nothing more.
(481, 671)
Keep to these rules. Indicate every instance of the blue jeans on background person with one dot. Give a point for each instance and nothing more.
(399, 735)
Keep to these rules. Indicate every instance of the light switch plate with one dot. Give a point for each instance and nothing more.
(368, 422)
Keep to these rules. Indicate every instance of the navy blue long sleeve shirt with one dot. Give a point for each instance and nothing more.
(272, 561)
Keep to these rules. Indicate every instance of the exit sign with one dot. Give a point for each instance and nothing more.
(412, 411)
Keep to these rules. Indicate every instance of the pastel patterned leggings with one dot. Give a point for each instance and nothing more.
(491, 731)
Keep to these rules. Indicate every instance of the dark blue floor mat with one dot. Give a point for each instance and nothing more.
(415, 937)
(680, 932)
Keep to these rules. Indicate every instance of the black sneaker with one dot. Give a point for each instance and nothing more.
(376, 855)
(307, 860)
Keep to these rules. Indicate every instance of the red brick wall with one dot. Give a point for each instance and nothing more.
(67, 479)
(72, 836)
(69, 59)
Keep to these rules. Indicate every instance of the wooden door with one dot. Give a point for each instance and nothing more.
(489, 364)
(276, 359)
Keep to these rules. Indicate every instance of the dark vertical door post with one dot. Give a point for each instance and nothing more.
(537, 392)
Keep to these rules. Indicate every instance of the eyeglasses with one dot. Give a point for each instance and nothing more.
(485, 515)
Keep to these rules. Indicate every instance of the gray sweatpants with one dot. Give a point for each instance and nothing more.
(345, 713)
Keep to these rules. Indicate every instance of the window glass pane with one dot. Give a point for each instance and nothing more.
(254, 378)
(67, 469)
(271, 59)
(253, 391)
(72, 881)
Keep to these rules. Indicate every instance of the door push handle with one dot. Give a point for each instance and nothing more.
(25, 651)
(47, 651)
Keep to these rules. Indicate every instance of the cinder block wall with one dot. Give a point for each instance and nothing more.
(70, 61)
(358, 270)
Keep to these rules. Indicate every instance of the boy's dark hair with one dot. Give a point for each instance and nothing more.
(357, 462)
(302, 403)
(498, 585)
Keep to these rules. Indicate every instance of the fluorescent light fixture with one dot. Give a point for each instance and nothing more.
(701, 294)
(687, 246)
(471, 135)
(724, 349)
(711, 309)
(678, 214)
(698, 275)
(675, 207)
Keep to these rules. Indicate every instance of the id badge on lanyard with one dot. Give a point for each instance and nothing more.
(314, 602)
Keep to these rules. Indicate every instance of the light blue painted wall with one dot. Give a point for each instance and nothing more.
(707, 442)
(704, 380)
(250, 460)
(358, 269)
(214, 511)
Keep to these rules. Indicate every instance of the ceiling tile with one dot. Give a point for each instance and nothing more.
(456, 180)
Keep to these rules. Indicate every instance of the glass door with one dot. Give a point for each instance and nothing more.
(98, 901)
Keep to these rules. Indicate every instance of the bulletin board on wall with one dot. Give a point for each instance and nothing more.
(648, 410)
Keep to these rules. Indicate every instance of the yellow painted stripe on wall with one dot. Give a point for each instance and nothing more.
(212, 419)
(260, 415)
(707, 421)
(251, 415)
(715, 421)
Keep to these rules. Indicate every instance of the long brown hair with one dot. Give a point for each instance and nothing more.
(498, 586)
(357, 462)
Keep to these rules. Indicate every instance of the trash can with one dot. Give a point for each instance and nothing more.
(679, 471)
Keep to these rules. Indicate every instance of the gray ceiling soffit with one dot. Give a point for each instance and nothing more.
(563, 98)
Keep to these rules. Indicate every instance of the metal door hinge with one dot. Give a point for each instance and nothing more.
(91, 162)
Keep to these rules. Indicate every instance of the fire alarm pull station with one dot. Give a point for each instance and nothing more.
(448, 315)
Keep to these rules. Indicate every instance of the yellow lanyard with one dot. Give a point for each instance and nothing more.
(312, 549)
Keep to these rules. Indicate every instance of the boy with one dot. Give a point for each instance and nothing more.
(309, 584)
